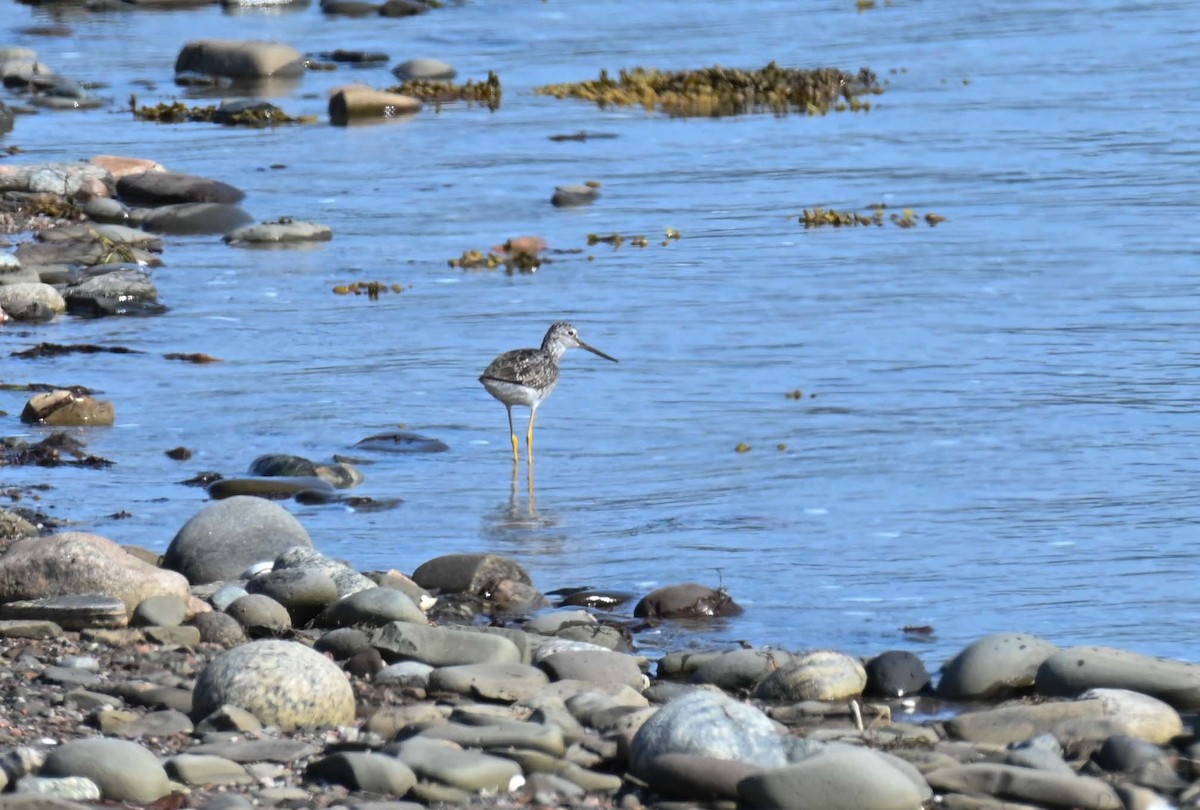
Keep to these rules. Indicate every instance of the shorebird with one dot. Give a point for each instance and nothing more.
(527, 376)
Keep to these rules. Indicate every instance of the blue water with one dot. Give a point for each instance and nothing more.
(999, 423)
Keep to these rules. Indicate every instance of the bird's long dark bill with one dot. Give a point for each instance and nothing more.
(594, 350)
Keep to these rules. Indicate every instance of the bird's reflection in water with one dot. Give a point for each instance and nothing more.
(520, 522)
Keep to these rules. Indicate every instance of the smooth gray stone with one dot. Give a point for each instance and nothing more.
(503, 682)
(510, 734)
(195, 218)
(31, 301)
(156, 188)
(13, 273)
(29, 628)
(283, 751)
(86, 701)
(69, 676)
(574, 194)
(303, 592)
(819, 675)
(595, 665)
(204, 769)
(164, 723)
(124, 771)
(230, 718)
(374, 606)
(1027, 785)
(219, 628)
(739, 669)
(166, 610)
(838, 777)
(1010, 724)
(710, 724)
(303, 556)
(598, 635)
(439, 646)
(688, 776)
(343, 643)
(227, 594)
(406, 673)
(70, 612)
(279, 233)
(1139, 715)
(281, 683)
(311, 489)
(226, 537)
(467, 573)
(371, 773)
(448, 764)
(239, 59)
(105, 210)
(424, 69)
(994, 667)
(620, 693)
(677, 665)
(1039, 759)
(260, 615)
(1078, 669)
(549, 624)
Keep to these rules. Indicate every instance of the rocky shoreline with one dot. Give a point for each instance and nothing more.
(244, 668)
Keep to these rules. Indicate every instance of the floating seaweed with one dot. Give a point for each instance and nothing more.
(718, 91)
(371, 289)
(822, 217)
(487, 92)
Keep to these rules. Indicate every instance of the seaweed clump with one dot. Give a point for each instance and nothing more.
(258, 115)
(718, 91)
(487, 92)
(831, 217)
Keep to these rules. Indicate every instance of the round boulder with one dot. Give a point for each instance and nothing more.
(281, 683)
(994, 667)
(819, 675)
(226, 537)
(124, 771)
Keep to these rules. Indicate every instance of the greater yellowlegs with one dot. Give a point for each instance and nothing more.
(527, 376)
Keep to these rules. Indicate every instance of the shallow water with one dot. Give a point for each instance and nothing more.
(999, 427)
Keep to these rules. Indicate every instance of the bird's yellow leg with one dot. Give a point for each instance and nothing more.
(512, 433)
(529, 433)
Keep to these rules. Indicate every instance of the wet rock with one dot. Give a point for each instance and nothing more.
(50, 566)
(402, 8)
(1009, 724)
(70, 612)
(740, 669)
(373, 606)
(31, 301)
(1025, 784)
(240, 59)
(570, 196)
(820, 675)
(225, 537)
(358, 102)
(467, 573)
(402, 442)
(124, 771)
(195, 218)
(11, 271)
(7, 117)
(595, 665)
(164, 610)
(303, 592)
(687, 601)
(896, 673)
(14, 527)
(285, 231)
(371, 773)
(448, 764)
(219, 628)
(105, 210)
(498, 682)
(1077, 669)
(67, 409)
(708, 724)
(312, 490)
(280, 682)
(430, 70)
(124, 291)
(304, 557)
(260, 615)
(995, 666)
(160, 188)
(440, 646)
(349, 8)
(29, 628)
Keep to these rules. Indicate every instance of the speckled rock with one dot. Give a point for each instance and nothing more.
(226, 537)
(31, 301)
(1077, 669)
(280, 682)
(74, 563)
(124, 771)
(995, 666)
(219, 628)
(305, 557)
(819, 675)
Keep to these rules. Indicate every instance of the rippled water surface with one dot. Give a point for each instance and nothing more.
(999, 423)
